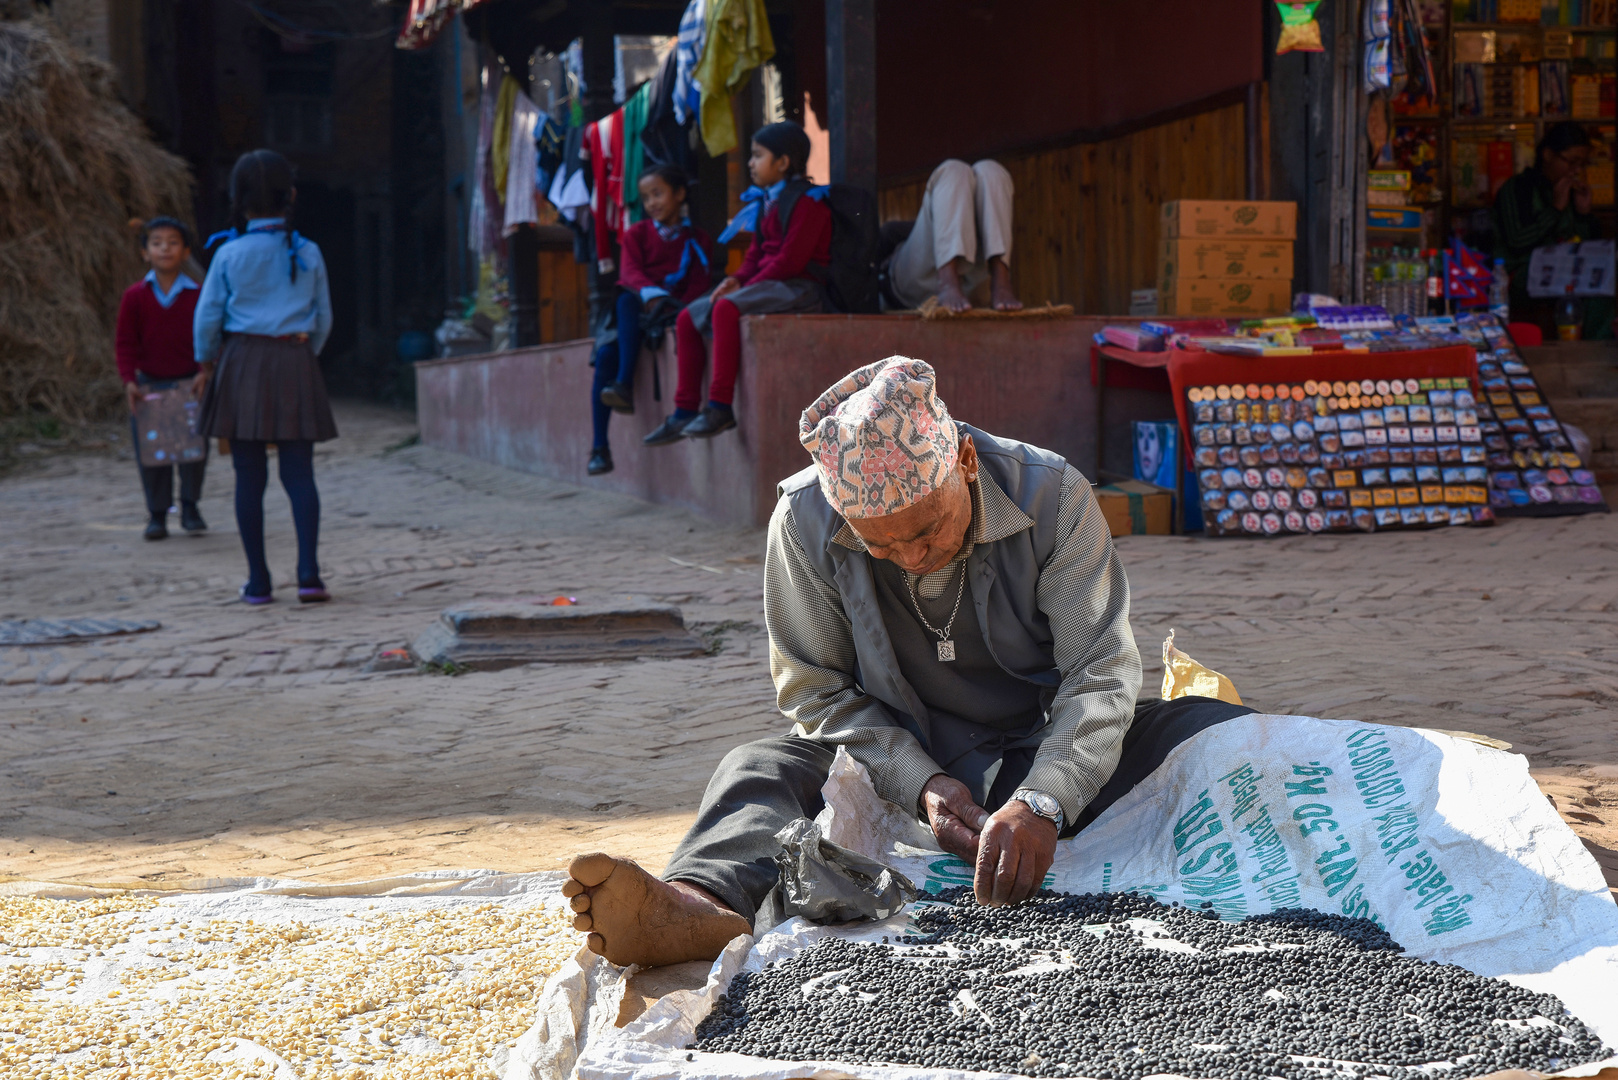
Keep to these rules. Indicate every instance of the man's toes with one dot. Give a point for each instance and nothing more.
(584, 922)
(592, 869)
(597, 944)
(580, 903)
(572, 888)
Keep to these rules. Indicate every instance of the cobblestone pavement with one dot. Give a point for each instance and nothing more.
(236, 741)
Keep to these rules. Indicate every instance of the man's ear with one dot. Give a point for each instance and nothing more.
(967, 455)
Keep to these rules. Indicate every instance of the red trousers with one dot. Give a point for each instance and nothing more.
(691, 352)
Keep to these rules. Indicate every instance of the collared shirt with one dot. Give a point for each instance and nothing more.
(669, 233)
(1082, 591)
(249, 290)
(182, 282)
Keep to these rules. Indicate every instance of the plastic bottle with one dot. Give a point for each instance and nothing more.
(1569, 317)
(1500, 293)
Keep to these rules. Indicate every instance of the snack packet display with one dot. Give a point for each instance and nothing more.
(1299, 30)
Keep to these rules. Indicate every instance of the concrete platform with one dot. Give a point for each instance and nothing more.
(492, 636)
(529, 409)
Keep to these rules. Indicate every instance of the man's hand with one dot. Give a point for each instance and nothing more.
(1015, 849)
(199, 383)
(1581, 197)
(726, 287)
(955, 818)
(1561, 191)
(132, 392)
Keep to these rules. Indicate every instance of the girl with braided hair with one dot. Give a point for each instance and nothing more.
(267, 300)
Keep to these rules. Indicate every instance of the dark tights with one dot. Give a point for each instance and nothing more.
(615, 362)
(297, 461)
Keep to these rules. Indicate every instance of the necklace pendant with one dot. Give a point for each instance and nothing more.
(946, 650)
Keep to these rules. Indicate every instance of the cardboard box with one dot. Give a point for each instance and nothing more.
(1187, 257)
(1135, 508)
(1207, 218)
(1226, 296)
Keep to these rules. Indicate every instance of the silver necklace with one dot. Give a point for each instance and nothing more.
(946, 645)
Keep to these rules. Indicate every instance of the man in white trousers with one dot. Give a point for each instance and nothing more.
(962, 236)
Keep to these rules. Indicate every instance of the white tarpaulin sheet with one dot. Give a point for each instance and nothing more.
(1446, 843)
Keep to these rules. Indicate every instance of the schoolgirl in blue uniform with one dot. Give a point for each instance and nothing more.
(266, 298)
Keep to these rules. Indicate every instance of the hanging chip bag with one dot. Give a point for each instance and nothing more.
(1299, 30)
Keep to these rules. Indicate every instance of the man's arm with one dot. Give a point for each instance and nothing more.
(812, 663)
(1083, 591)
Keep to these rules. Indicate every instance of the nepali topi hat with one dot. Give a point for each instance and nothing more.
(881, 439)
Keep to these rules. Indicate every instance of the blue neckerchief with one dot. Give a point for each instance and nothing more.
(264, 225)
(755, 200)
(691, 247)
(181, 283)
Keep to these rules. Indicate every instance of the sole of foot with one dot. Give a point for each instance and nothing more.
(634, 918)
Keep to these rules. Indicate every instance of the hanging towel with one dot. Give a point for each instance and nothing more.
(570, 188)
(738, 40)
(634, 112)
(665, 140)
(521, 208)
(687, 54)
(549, 139)
(605, 139)
(501, 145)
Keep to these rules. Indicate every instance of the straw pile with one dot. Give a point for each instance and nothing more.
(75, 166)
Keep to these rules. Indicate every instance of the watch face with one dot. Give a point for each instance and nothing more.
(1044, 804)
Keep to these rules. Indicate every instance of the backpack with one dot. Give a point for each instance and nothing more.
(850, 284)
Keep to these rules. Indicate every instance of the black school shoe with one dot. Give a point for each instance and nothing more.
(191, 520)
(618, 397)
(600, 461)
(671, 430)
(710, 422)
(157, 528)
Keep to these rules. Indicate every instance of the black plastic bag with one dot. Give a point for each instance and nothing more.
(827, 883)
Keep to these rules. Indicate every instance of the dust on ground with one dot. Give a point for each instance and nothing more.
(238, 741)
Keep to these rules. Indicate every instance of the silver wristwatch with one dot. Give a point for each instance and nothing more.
(1042, 804)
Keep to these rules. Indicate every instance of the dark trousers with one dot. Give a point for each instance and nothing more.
(761, 786)
(297, 468)
(615, 362)
(157, 481)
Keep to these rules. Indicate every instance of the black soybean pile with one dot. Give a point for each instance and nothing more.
(1029, 990)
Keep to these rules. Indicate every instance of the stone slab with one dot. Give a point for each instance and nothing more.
(488, 637)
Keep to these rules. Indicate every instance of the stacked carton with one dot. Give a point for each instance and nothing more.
(1226, 258)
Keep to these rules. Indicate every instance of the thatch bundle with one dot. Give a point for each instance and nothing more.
(75, 166)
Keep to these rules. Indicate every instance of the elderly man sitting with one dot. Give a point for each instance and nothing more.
(947, 605)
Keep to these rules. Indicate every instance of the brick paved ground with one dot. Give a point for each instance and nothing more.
(240, 741)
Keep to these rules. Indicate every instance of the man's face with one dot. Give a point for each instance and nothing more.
(925, 536)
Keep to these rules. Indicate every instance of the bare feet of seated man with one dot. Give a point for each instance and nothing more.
(1010, 849)
(635, 918)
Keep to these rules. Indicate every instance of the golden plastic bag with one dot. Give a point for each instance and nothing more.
(1183, 677)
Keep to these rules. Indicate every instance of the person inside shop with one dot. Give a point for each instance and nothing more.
(1548, 203)
(791, 246)
(154, 353)
(960, 238)
(947, 605)
(664, 262)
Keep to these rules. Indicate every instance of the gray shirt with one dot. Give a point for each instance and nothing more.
(1081, 590)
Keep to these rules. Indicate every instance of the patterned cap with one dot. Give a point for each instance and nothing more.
(881, 437)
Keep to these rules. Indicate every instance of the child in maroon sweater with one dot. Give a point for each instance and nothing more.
(777, 276)
(664, 266)
(154, 351)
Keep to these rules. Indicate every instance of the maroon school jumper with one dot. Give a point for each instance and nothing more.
(154, 340)
(780, 255)
(648, 260)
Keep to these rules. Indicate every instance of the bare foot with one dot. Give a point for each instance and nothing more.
(1000, 286)
(949, 288)
(634, 918)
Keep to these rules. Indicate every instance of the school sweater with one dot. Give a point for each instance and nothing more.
(784, 254)
(152, 339)
(648, 260)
